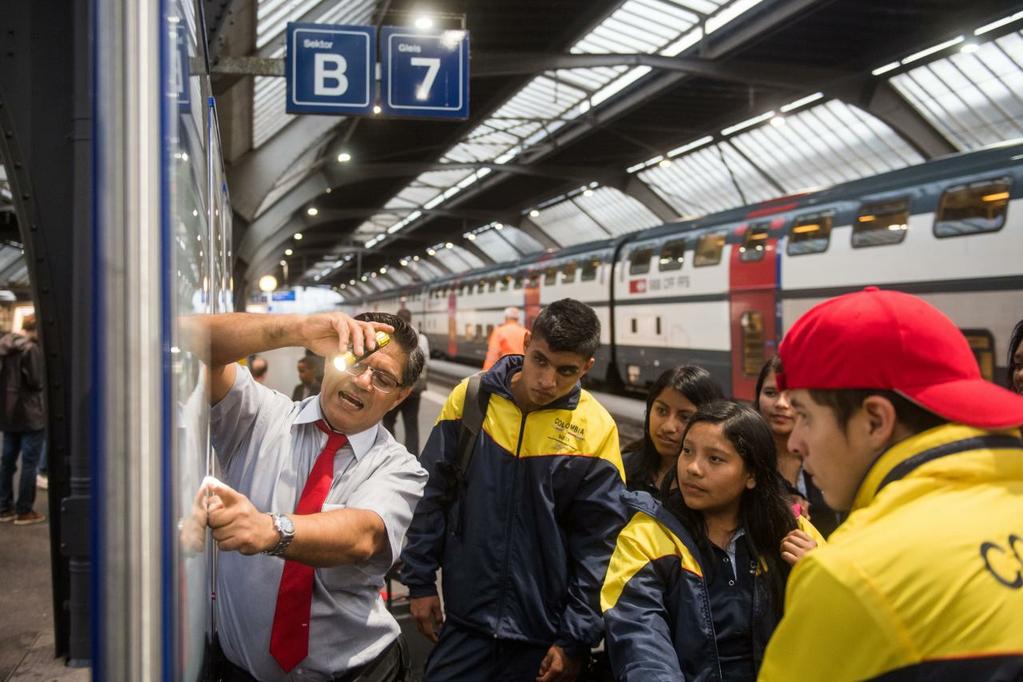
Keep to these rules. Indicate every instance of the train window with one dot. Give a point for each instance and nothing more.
(479, 331)
(982, 343)
(639, 261)
(752, 326)
(809, 234)
(589, 270)
(492, 285)
(481, 287)
(658, 325)
(672, 255)
(634, 325)
(568, 273)
(490, 330)
(550, 277)
(881, 223)
(708, 249)
(518, 282)
(969, 209)
(754, 244)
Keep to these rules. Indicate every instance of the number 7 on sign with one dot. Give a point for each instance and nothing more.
(432, 65)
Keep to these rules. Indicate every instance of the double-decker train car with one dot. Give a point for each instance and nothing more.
(721, 290)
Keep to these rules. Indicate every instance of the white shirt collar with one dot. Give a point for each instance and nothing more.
(360, 442)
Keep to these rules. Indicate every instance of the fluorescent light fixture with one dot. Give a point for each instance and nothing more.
(297, 236)
(748, 123)
(706, 139)
(916, 56)
(344, 157)
(436, 201)
(885, 69)
(998, 24)
(636, 167)
(312, 210)
(801, 102)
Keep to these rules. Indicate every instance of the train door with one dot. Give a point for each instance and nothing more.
(753, 287)
(453, 322)
(531, 293)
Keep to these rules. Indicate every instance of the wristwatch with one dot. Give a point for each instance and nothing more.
(286, 529)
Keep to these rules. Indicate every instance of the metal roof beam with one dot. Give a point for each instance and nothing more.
(641, 192)
(537, 233)
(787, 76)
(484, 65)
(471, 247)
(884, 101)
(353, 173)
(268, 227)
(256, 173)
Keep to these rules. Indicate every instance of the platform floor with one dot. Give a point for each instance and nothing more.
(26, 623)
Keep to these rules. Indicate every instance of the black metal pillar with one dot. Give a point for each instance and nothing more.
(45, 140)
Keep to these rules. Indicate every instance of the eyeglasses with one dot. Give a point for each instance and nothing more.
(382, 381)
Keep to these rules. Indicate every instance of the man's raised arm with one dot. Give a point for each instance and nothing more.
(221, 340)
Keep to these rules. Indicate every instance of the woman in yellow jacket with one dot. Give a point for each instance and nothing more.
(695, 587)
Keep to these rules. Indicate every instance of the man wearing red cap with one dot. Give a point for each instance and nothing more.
(924, 579)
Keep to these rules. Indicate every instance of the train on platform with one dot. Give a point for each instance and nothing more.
(721, 290)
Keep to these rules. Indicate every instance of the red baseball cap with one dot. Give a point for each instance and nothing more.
(889, 340)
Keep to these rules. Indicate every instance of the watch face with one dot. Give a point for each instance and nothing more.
(287, 527)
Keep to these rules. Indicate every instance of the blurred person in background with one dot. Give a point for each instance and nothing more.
(309, 379)
(1015, 381)
(23, 422)
(507, 339)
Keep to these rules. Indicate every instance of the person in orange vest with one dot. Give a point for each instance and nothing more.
(507, 339)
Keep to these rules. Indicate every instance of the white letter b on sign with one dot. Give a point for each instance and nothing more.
(329, 68)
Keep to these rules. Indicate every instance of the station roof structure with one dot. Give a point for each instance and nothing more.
(593, 118)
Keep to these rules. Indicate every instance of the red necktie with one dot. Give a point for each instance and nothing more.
(289, 638)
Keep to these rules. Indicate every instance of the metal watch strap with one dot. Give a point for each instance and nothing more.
(284, 539)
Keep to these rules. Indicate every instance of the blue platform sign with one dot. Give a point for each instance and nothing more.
(330, 69)
(424, 74)
(284, 295)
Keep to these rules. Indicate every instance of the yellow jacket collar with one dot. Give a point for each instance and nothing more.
(903, 450)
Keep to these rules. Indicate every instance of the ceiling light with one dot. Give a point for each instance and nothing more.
(424, 23)
(431, 252)
(534, 213)
(967, 48)
(267, 283)
(316, 278)
(284, 262)
(415, 258)
(364, 278)
(470, 236)
(312, 210)
(449, 245)
(288, 252)
(778, 121)
(352, 282)
(383, 270)
(403, 262)
(587, 192)
(376, 109)
(298, 236)
(328, 190)
(343, 157)
(664, 163)
(498, 226)
(373, 275)
(343, 286)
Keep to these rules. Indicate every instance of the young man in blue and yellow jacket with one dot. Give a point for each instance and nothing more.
(525, 545)
(924, 579)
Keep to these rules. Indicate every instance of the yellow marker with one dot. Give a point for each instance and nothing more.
(346, 360)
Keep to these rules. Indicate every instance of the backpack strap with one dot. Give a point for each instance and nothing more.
(473, 411)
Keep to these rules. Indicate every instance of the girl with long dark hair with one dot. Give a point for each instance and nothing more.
(1015, 379)
(773, 406)
(672, 400)
(695, 587)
